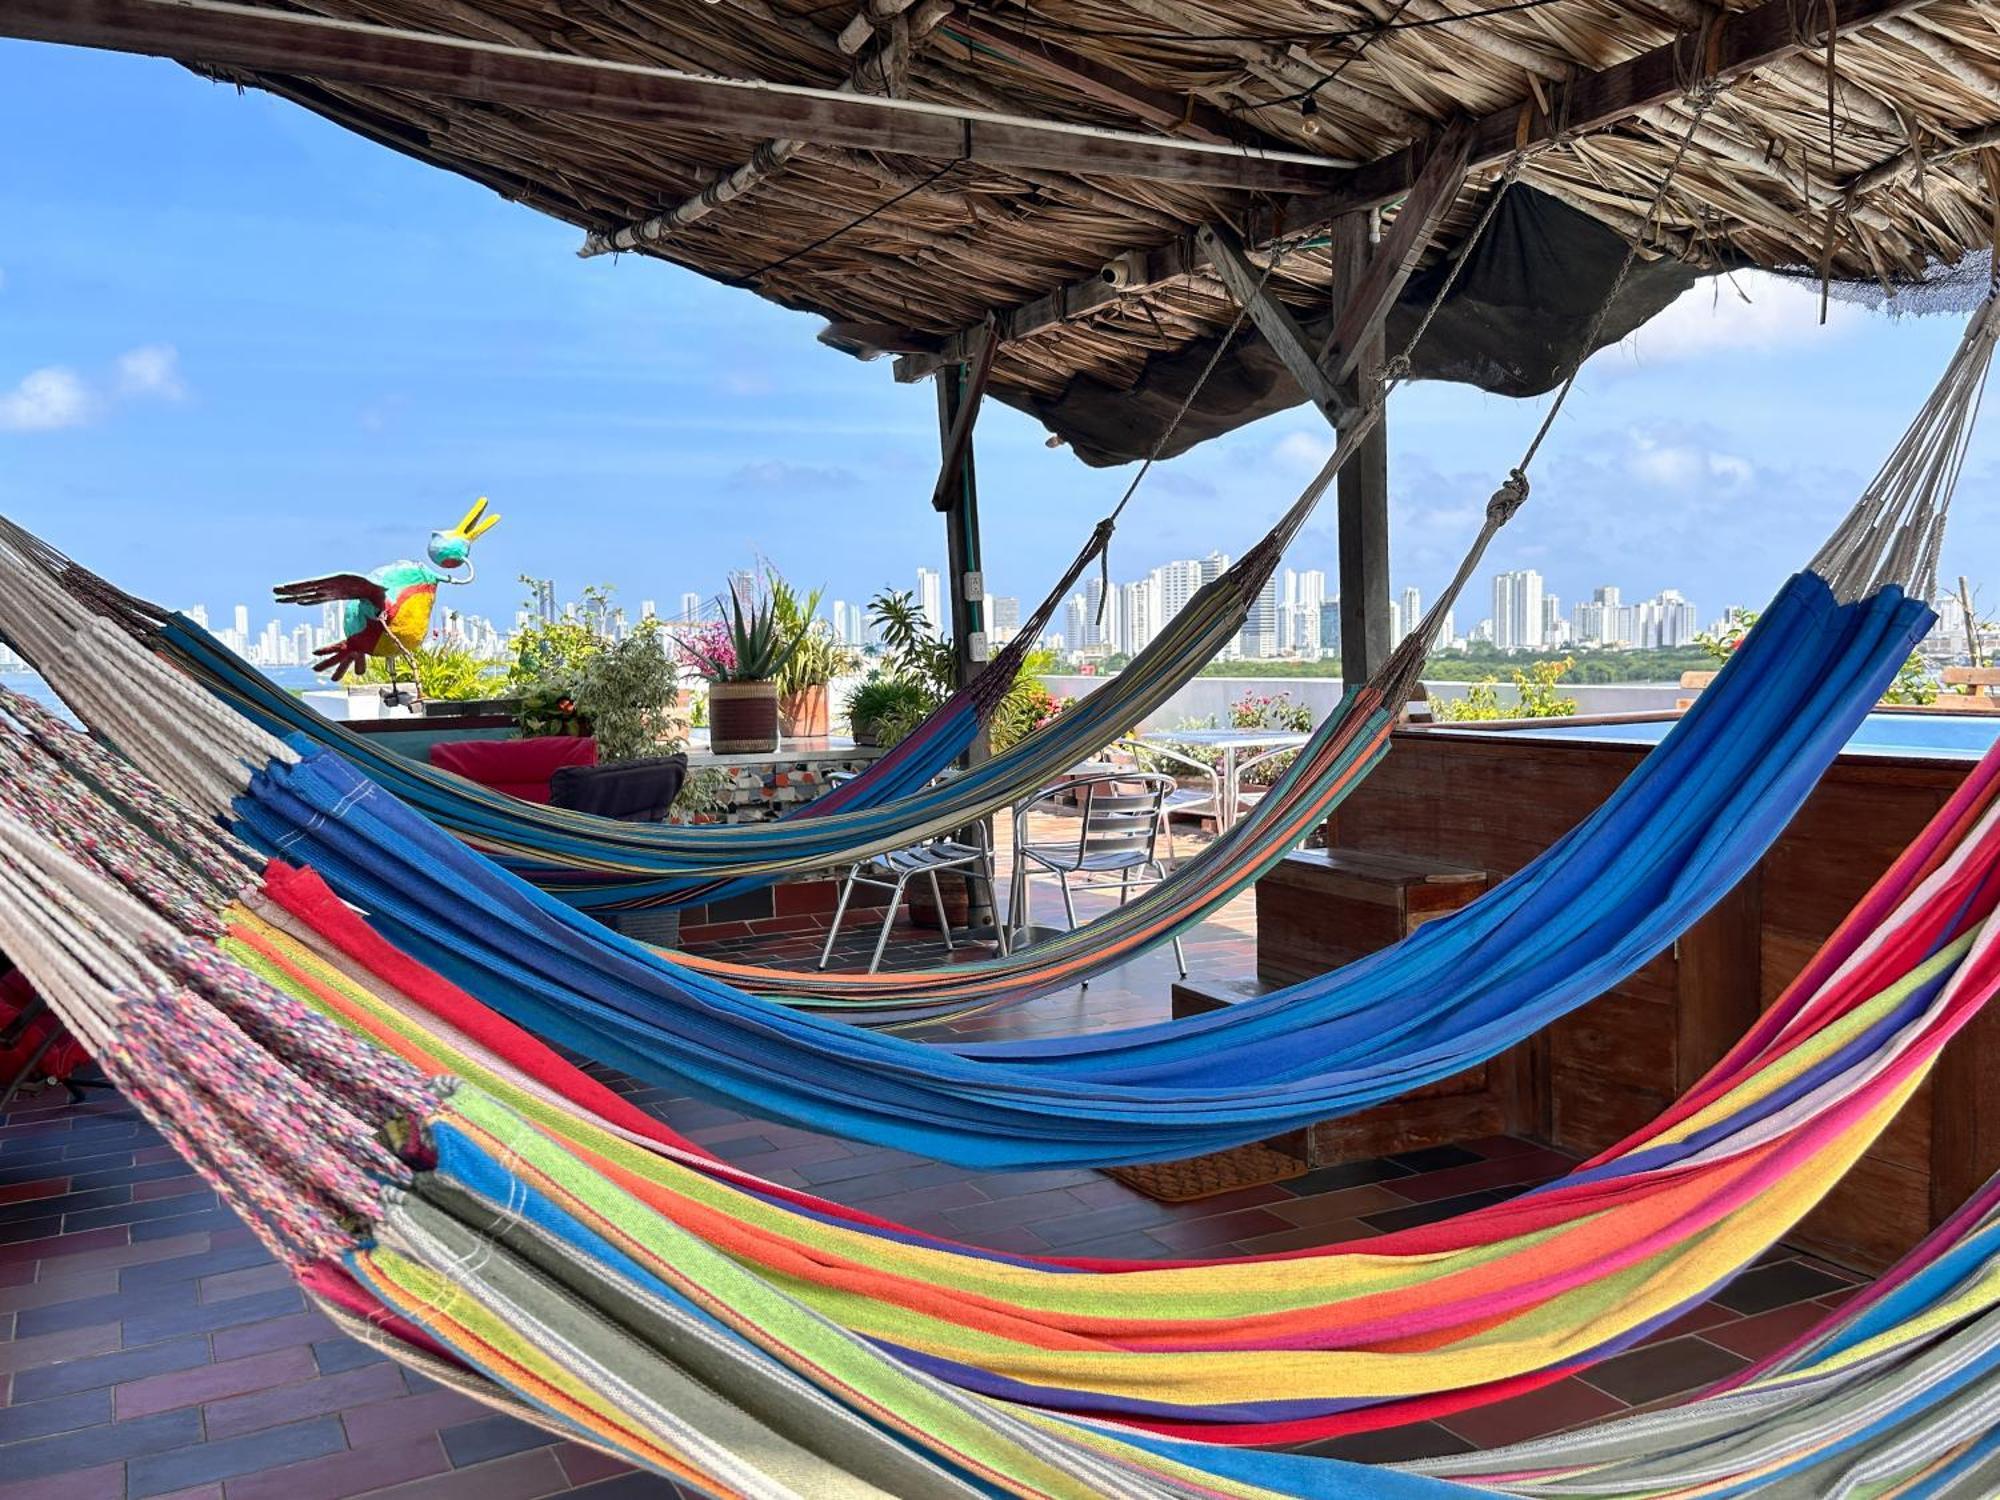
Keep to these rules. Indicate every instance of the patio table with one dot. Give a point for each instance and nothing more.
(1232, 743)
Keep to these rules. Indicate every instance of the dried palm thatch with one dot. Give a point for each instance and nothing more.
(1866, 156)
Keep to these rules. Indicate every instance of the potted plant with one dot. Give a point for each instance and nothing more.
(816, 659)
(627, 692)
(883, 709)
(741, 655)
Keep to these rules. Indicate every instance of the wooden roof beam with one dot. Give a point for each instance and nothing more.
(290, 44)
(1740, 43)
(1273, 319)
(880, 72)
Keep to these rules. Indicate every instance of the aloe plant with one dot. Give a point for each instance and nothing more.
(752, 644)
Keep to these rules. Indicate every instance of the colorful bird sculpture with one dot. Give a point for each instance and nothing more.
(389, 610)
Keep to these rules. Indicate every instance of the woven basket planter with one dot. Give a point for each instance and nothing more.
(742, 717)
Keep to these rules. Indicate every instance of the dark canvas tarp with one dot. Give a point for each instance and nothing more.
(1513, 323)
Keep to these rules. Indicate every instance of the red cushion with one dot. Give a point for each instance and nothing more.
(61, 1060)
(520, 768)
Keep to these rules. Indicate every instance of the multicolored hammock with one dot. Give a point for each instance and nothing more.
(599, 864)
(1677, 835)
(488, 1212)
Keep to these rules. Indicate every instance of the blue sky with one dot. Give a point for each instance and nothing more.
(240, 345)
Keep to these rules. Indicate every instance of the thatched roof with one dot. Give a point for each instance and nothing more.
(1900, 187)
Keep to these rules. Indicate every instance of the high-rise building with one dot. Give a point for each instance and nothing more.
(690, 607)
(1666, 620)
(1214, 566)
(1555, 629)
(1174, 584)
(648, 610)
(1074, 612)
(241, 616)
(1329, 626)
(1138, 617)
(1003, 618)
(1517, 610)
(1259, 635)
(930, 600)
(1413, 610)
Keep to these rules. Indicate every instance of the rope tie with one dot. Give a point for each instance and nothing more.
(1507, 499)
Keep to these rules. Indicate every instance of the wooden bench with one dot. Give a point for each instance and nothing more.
(1692, 683)
(1981, 680)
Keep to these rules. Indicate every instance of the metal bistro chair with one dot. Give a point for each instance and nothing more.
(1119, 818)
(893, 873)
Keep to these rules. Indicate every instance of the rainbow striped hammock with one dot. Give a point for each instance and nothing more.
(1676, 836)
(454, 1192)
(598, 864)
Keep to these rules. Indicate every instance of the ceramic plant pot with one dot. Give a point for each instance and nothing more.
(806, 714)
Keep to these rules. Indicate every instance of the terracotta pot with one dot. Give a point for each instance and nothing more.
(957, 901)
(805, 714)
(742, 717)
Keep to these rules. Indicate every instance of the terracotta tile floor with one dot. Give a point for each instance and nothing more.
(148, 1347)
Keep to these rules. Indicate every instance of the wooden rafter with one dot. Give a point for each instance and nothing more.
(1738, 43)
(289, 44)
(1393, 261)
(1273, 319)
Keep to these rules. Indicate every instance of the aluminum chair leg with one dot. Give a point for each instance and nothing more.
(1000, 937)
(1069, 902)
(888, 921)
(1017, 898)
(839, 912)
(944, 922)
(1180, 955)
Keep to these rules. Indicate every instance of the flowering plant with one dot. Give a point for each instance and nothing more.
(707, 650)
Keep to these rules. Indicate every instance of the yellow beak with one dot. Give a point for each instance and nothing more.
(472, 528)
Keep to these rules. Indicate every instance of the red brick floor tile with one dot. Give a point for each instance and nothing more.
(1525, 1168)
(1766, 1332)
(63, 1246)
(1304, 1237)
(309, 1398)
(519, 1476)
(1553, 1408)
(277, 1333)
(408, 1416)
(581, 1465)
(226, 1286)
(1655, 1370)
(168, 1187)
(55, 1348)
(21, 1192)
(104, 1482)
(58, 1288)
(357, 1471)
(257, 1372)
(1697, 1319)
(1340, 1206)
(1197, 1236)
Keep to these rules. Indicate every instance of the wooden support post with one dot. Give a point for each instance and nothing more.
(957, 495)
(1364, 481)
(1273, 319)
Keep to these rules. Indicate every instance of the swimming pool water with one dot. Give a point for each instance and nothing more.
(1927, 736)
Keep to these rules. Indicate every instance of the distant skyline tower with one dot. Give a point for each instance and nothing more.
(930, 599)
(690, 607)
(1517, 610)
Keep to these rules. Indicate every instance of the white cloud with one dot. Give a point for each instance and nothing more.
(1679, 466)
(1303, 450)
(151, 370)
(46, 399)
(1746, 312)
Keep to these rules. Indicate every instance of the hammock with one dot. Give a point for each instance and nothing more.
(598, 864)
(484, 1210)
(1677, 835)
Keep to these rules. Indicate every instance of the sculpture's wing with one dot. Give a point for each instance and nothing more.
(335, 586)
